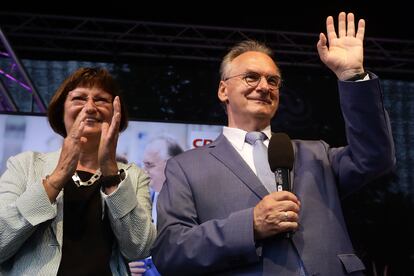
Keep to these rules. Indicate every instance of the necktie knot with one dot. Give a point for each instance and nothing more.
(252, 137)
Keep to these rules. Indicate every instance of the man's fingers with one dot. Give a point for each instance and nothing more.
(341, 24)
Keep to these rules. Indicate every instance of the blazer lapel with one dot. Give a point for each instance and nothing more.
(226, 154)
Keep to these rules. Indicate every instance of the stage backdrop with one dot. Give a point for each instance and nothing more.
(20, 133)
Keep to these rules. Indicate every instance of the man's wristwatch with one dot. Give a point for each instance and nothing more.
(356, 77)
(112, 180)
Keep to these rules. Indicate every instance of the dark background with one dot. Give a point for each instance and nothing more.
(384, 19)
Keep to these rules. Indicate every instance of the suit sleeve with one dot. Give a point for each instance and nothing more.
(184, 245)
(370, 150)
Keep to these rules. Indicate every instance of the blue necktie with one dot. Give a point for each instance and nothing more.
(152, 194)
(260, 159)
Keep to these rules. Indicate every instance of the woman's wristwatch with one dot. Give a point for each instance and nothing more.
(112, 180)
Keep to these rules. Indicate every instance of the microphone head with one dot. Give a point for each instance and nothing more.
(280, 152)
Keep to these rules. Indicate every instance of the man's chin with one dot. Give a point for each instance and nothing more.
(263, 113)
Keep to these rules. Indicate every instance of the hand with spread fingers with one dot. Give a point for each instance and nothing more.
(342, 51)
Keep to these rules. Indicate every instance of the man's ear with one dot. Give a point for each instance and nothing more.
(222, 92)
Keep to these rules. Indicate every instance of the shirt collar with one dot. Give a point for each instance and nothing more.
(237, 136)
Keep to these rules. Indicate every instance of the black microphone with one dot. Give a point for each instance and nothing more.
(281, 157)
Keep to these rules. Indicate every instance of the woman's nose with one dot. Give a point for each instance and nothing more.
(90, 105)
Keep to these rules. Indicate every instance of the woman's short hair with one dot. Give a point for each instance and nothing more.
(86, 77)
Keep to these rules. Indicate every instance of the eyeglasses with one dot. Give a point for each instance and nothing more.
(81, 100)
(253, 79)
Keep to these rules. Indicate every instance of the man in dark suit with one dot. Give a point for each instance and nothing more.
(214, 214)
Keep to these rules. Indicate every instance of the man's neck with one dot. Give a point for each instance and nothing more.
(250, 127)
(248, 124)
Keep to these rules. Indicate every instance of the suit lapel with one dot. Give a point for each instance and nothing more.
(226, 154)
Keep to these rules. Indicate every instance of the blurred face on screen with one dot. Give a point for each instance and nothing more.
(154, 165)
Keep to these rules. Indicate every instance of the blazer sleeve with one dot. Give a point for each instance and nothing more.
(24, 204)
(370, 150)
(186, 246)
(129, 210)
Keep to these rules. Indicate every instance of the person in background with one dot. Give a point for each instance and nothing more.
(155, 157)
(76, 211)
(216, 217)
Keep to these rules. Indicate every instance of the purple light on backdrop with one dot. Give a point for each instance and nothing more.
(10, 77)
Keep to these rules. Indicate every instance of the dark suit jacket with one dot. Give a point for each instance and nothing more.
(205, 209)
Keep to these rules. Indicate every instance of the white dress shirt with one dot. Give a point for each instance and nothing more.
(237, 137)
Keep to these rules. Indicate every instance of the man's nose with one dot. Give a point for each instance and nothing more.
(263, 84)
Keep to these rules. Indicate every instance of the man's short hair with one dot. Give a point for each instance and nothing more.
(241, 48)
